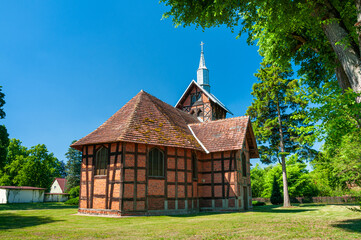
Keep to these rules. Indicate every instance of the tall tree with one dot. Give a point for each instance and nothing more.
(4, 136)
(30, 167)
(73, 167)
(277, 111)
(322, 36)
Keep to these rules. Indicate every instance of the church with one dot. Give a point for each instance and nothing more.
(151, 158)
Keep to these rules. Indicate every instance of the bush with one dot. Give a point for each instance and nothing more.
(257, 203)
(276, 197)
(72, 201)
(74, 192)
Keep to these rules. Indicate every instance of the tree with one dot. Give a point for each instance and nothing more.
(4, 136)
(73, 167)
(276, 197)
(277, 112)
(300, 180)
(322, 37)
(340, 168)
(257, 180)
(30, 167)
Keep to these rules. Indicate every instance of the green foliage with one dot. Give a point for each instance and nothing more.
(73, 167)
(276, 96)
(4, 136)
(286, 31)
(340, 168)
(276, 197)
(257, 203)
(4, 143)
(2, 103)
(74, 192)
(30, 167)
(72, 201)
(300, 181)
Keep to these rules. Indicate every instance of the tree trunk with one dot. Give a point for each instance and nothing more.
(286, 196)
(347, 55)
(342, 78)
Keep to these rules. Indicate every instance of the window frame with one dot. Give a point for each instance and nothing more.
(244, 164)
(160, 162)
(194, 166)
(98, 170)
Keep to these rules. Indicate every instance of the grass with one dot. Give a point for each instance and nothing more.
(57, 221)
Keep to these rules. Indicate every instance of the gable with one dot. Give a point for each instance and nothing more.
(208, 97)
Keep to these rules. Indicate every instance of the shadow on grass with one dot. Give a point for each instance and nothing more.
(351, 225)
(15, 221)
(279, 209)
(33, 206)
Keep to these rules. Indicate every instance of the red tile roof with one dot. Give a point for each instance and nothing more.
(21, 188)
(223, 135)
(62, 183)
(145, 119)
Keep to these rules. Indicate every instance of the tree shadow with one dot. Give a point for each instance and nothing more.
(279, 209)
(350, 225)
(15, 221)
(34, 206)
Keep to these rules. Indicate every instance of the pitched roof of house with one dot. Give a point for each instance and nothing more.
(145, 119)
(226, 134)
(62, 183)
(209, 95)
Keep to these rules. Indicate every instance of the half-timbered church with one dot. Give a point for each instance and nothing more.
(151, 158)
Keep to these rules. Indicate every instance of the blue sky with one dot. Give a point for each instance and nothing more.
(67, 66)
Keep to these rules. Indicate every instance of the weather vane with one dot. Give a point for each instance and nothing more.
(202, 43)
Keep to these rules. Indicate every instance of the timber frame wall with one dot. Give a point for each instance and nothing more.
(127, 189)
(208, 110)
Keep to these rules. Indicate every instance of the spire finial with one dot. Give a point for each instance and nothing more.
(202, 43)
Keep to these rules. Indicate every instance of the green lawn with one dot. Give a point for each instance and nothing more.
(55, 220)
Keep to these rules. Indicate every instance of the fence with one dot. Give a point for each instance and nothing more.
(324, 200)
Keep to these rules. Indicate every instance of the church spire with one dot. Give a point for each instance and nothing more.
(203, 73)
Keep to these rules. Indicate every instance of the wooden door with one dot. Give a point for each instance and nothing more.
(245, 198)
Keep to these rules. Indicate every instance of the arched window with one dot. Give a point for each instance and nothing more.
(194, 166)
(156, 163)
(101, 161)
(244, 165)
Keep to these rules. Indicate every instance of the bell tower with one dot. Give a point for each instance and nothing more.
(198, 99)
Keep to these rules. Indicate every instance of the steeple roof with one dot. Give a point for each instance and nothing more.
(145, 119)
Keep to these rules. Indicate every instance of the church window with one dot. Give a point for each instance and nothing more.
(194, 166)
(195, 97)
(101, 161)
(244, 165)
(156, 163)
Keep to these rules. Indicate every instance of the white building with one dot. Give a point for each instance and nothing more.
(13, 194)
(58, 186)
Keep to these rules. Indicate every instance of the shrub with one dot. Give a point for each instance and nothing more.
(276, 197)
(73, 201)
(257, 203)
(74, 192)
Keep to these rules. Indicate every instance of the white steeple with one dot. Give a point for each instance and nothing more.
(202, 73)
